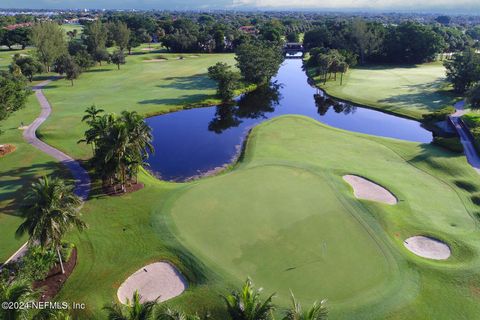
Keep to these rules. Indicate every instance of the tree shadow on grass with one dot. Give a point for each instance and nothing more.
(98, 70)
(194, 82)
(181, 100)
(430, 100)
(17, 181)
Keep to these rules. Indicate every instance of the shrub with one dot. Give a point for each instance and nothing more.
(66, 251)
(452, 144)
(37, 263)
(439, 115)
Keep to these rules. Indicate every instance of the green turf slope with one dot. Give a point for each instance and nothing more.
(286, 218)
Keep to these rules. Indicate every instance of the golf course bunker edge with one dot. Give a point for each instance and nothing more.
(368, 190)
(157, 280)
(427, 247)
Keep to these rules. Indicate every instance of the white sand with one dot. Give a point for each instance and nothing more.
(365, 189)
(157, 280)
(155, 60)
(427, 247)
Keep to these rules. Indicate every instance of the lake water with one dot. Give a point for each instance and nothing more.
(191, 142)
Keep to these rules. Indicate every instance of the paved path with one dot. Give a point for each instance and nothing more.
(465, 137)
(82, 180)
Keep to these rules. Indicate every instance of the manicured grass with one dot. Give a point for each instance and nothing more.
(147, 87)
(71, 27)
(406, 90)
(285, 217)
(17, 170)
(7, 55)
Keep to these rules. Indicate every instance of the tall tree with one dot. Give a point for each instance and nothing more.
(226, 79)
(14, 91)
(259, 61)
(246, 304)
(118, 58)
(463, 70)
(50, 211)
(95, 36)
(28, 65)
(120, 34)
(49, 41)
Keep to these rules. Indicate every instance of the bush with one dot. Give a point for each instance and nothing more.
(451, 144)
(66, 251)
(439, 115)
(37, 263)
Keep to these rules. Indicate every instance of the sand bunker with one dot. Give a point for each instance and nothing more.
(428, 247)
(155, 60)
(157, 280)
(365, 189)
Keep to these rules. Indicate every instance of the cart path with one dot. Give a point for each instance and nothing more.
(82, 179)
(465, 136)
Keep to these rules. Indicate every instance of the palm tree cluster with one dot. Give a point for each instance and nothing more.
(120, 144)
(243, 304)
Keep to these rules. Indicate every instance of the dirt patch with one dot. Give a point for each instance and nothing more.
(157, 280)
(427, 247)
(116, 191)
(6, 149)
(55, 279)
(368, 190)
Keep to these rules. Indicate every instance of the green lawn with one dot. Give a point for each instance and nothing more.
(71, 27)
(17, 170)
(148, 87)
(285, 217)
(406, 90)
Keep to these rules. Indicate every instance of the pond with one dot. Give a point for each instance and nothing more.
(191, 142)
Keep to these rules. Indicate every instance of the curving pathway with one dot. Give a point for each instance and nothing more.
(465, 136)
(82, 179)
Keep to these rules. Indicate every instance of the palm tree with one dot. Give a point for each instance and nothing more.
(133, 310)
(318, 311)
(172, 314)
(50, 210)
(15, 292)
(247, 305)
(92, 114)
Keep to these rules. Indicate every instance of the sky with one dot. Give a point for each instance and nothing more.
(444, 6)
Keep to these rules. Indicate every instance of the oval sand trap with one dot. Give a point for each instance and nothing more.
(157, 280)
(366, 189)
(428, 247)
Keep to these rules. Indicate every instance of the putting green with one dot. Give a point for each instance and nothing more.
(285, 228)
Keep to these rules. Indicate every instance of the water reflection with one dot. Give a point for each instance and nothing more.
(191, 142)
(252, 105)
(324, 103)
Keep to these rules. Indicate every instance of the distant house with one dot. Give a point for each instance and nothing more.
(248, 29)
(18, 25)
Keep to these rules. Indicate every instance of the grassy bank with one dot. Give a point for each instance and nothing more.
(285, 217)
(410, 91)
